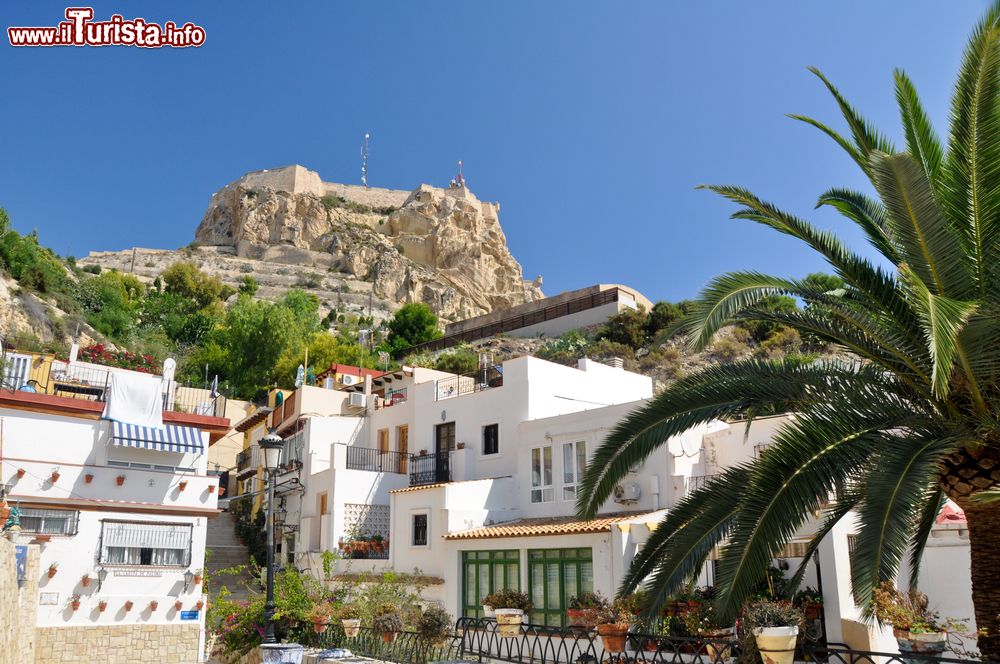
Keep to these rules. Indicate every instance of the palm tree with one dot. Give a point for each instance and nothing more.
(911, 420)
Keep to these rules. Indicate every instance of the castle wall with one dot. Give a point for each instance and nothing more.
(373, 196)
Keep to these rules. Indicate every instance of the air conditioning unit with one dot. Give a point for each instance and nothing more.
(628, 492)
(348, 379)
(358, 399)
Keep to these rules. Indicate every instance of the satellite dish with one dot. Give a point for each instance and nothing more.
(169, 365)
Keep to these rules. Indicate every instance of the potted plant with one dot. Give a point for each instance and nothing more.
(74, 602)
(612, 625)
(350, 620)
(53, 568)
(775, 628)
(211, 488)
(152, 605)
(915, 627)
(388, 622)
(178, 605)
(128, 605)
(584, 609)
(120, 480)
(511, 608)
(435, 625)
(85, 581)
(810, 601)
(460, 446)
(200, 604)
(197, 576)
(20, 473)
(423, 452)
(102, 605)
(704, 623)
(320, 616)
(88, 478)
(182, 485)
(55, 475)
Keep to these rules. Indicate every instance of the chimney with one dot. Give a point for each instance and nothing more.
(616, 363)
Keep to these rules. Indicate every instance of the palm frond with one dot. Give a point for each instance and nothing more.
(928, 515)
(860, 158)
(921, 140)
(971, 176)
(714, 393)
(929, 244)
(677, 549)
(845, 503)
(895, 489)
(725, 297)
(868, 214)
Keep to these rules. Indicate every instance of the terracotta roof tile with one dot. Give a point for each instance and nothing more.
(560, 525)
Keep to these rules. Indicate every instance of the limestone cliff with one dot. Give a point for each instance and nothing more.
(440, 246)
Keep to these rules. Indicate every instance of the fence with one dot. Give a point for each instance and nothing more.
(376, 461)
(430, 468)
(406, 647)
(456, 386)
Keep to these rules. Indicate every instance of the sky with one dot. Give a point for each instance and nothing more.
(591, 123)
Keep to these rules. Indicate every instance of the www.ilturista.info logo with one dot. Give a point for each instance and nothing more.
(81, 30)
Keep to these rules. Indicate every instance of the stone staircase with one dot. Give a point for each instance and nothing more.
(225, 551)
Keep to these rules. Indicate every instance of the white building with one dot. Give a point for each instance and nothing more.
(119, 512)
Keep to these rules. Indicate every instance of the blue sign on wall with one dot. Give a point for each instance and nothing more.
(189, 615)
(21, 558)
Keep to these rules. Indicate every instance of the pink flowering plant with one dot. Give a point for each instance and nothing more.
(123, 359)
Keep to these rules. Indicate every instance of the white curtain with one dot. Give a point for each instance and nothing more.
(126, 543)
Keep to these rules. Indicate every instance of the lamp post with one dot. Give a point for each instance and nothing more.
(270, 445)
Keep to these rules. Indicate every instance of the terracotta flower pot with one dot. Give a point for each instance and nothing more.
(812, 610)
(153, 605)
(128, 605)
(85, 581)
(320, 627)
(586, 618)
(197, 579)
(88, 478)
(388, 637)
(178, 605)
(200, 604)
(776, 644)
(352, 627)
(75, 605)
(613, 636)
(102, 605)
(120, 480)
(211, 488)
(509, 622)
(21, 472)
(182, 485)
(55, 476)
(52, 571)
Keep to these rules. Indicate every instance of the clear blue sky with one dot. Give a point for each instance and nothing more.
(590, 122)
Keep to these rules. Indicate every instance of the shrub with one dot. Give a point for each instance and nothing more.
(907, 612)
(589, 600)
(387, 619)
(92, 269)
(783, 341)
(728, 349)
(627, 328)
(508, 599)
(767, 613)
(459, 361)
(435, 624)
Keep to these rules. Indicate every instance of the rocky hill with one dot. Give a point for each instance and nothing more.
(356, 248)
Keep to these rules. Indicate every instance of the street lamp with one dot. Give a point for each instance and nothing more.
(270, 445)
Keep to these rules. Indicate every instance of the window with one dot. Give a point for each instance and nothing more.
(419, 530)
(574, 463)
(49, 522)
(383, 441)
(491, 439)
(541, 474)
(555, 576)
(485, 572)
(137, 543)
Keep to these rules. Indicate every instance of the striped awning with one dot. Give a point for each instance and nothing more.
(170, 438)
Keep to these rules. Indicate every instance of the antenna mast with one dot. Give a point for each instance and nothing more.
(364, 162)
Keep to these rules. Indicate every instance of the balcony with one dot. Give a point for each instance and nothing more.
(90, 382)
(376, 461)
(430, 468)
(247, 461)
(699, 482)
(391, 398)
(456, 386)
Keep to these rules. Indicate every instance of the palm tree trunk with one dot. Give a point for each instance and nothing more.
(984, 546)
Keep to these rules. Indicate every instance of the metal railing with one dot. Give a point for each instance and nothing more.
(406, 647)
(430, 468)
(90, 382)
(376, 461)
(364, 550)
(391, 398)
(456, 386)
(699, 482)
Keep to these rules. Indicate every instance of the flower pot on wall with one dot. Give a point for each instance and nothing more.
(128, 605)
(54, 476)
(509, 622)
(352, 627)
(53, 568)
(320, 627)
(178, 605)
(613, 637)
(182, 485)
(88, 478)
(200, 605)
(102, 605)
(85, 581)
(932, 643)
(120, 480)
(586, 618)
(211, 488)
(153, 605)
(389, 637)
(20, 473)
(776, 644)
(75, 604)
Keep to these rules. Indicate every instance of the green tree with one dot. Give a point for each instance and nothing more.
(628, 328)
(909, 421)
(185, 279)
(412, 324)
(662, 316)
(110, 302)
(248, 285)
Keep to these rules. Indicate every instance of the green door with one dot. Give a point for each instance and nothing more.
(484, 572)
(555, 576)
